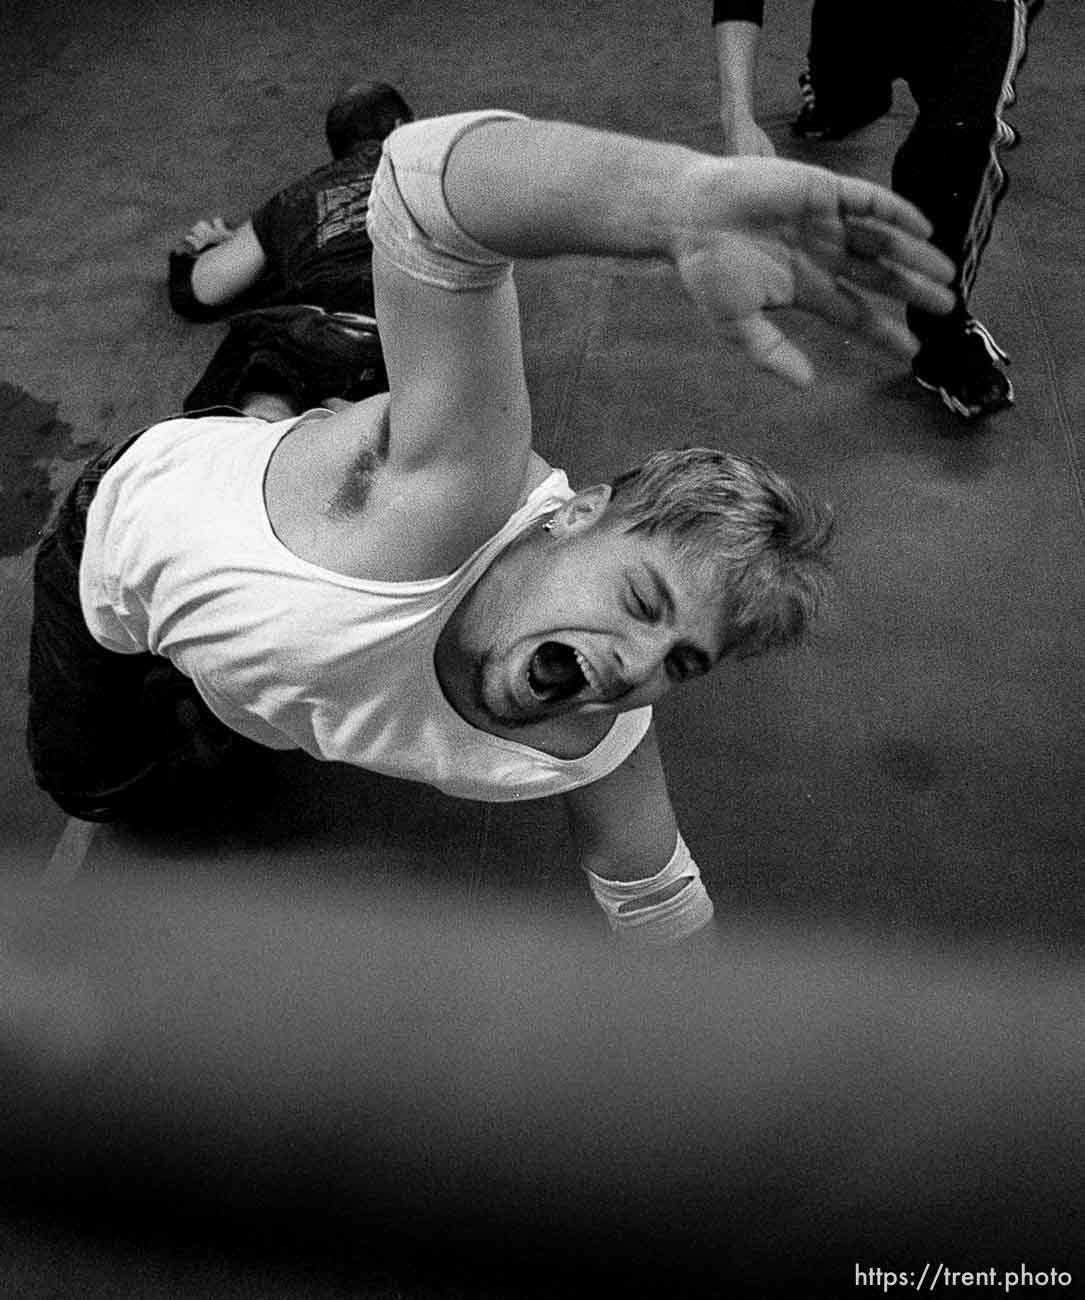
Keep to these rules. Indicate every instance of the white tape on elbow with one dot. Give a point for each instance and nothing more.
(409, 219)
(675, 918)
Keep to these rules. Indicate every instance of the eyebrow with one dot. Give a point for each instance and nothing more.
(662, 590)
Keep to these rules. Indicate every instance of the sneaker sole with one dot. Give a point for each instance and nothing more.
(958, 407)
(832, 132)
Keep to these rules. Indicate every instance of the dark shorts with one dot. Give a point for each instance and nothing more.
(105, 731)
(302, 352)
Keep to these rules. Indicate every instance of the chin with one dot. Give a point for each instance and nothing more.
(496, 702)
(514, 720)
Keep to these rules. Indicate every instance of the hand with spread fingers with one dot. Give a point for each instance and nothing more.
(949, 162)
(746, 235)
(763, 234)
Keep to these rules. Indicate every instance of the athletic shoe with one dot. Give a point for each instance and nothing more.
(820, 122)
(964, 370)
(1007, 136)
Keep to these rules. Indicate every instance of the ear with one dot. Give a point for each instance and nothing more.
(582, 511)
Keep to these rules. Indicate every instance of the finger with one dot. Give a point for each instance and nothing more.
(900, 283)
(846, 306)
(917, 290)
(872, 239)
(770, 349)
(859, 198)
(877, 322)
(837, 245)
(887, 263)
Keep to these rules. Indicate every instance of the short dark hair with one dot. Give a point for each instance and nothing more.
(368, 110)
(765, 543)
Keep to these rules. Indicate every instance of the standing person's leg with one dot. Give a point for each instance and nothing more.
(848, 82)
(949, 167)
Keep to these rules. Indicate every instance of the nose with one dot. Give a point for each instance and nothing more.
(642, 657)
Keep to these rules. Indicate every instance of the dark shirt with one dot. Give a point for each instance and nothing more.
(314, 238)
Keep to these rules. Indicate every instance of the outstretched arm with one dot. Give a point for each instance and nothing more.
(747, 236)
(457, 199)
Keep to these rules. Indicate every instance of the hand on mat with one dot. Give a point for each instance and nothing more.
(759, 234)
(206, 234)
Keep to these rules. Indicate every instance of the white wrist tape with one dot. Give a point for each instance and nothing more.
(688, 911)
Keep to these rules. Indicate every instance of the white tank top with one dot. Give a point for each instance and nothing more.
(180, 559)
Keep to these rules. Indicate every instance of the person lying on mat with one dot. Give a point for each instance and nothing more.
(404, 583)
(296, 280)
(307, 244)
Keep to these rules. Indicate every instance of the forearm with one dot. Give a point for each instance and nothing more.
(457, 198)
(736, 60)
(228, 267)
(534, 189)
(182, 295)
(624, 825)
(636, 861)
(636, 849)
(212, 277)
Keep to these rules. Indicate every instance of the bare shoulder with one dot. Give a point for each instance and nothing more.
(338, 496)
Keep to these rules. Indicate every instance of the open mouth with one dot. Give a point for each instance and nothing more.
(557, 672)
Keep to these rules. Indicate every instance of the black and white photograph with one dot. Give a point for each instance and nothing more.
(543, 558)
